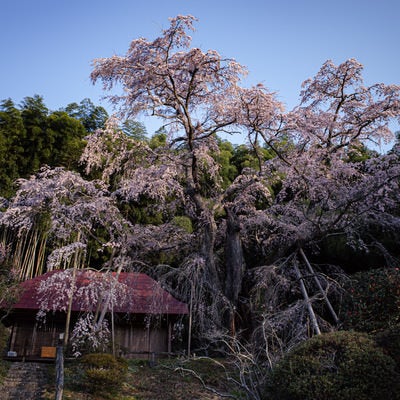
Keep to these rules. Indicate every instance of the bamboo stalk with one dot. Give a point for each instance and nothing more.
(41, 255)
(25, 256)
(17, 260)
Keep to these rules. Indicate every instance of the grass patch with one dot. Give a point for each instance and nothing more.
(169, 379)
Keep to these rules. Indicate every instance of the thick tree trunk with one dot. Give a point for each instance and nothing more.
(207, 251)
(209, 299)
(234, 267)
(207, 231)
(234, 260)
(209, 279)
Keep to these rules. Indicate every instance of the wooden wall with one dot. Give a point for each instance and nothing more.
(139, 341)
(28, 337)
(133, 336)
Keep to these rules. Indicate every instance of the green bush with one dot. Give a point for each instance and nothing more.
(103, 373)
(335, 366)
(4, 334)
(389, 341)
(183, 222)
(373, 300)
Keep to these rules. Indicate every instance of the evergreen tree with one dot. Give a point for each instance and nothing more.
(92, 117)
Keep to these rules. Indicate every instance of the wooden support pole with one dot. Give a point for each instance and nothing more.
(59, 371)
(313, 318)
(190, 322)
(169, 338)
(321, 289)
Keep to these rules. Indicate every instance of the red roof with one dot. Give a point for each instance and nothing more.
(135, 293)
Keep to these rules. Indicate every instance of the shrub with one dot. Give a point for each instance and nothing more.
(373, 301)
(389, 341)
(184, 223)
(103, 373)
(336, 366)
(4, 334)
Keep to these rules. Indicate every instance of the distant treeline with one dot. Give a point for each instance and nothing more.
(31, 135)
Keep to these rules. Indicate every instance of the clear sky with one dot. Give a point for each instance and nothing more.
(47, 46)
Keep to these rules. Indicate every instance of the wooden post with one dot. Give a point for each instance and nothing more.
(60, 369)
(148, 340)
(112, 329)
(313, 318)
(328, 303)
(169, 338)
(190, 322)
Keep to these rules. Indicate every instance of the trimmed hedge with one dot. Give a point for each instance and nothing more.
(336, 366)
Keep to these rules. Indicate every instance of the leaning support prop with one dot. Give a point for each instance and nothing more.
(313, 318)
(321, 289)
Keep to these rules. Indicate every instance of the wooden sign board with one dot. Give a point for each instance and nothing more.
(48, 352)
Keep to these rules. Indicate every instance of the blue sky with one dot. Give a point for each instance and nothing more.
(47, 46)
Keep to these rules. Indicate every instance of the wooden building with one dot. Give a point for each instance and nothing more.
(142, 318)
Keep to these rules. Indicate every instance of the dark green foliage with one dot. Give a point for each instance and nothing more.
(32, 136)
(336, 249)
(228, 170)
(141, 213)
(12, 136)
(92, 117)
(246, 157)
(54, 139)
(67, 145)
(373, 300)
(36, 144)
(103, 373)
(135, 130)
(335, 366)
(243, 157)
(4, 334)
(389, 341)
(183, 222)
(159, 139)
